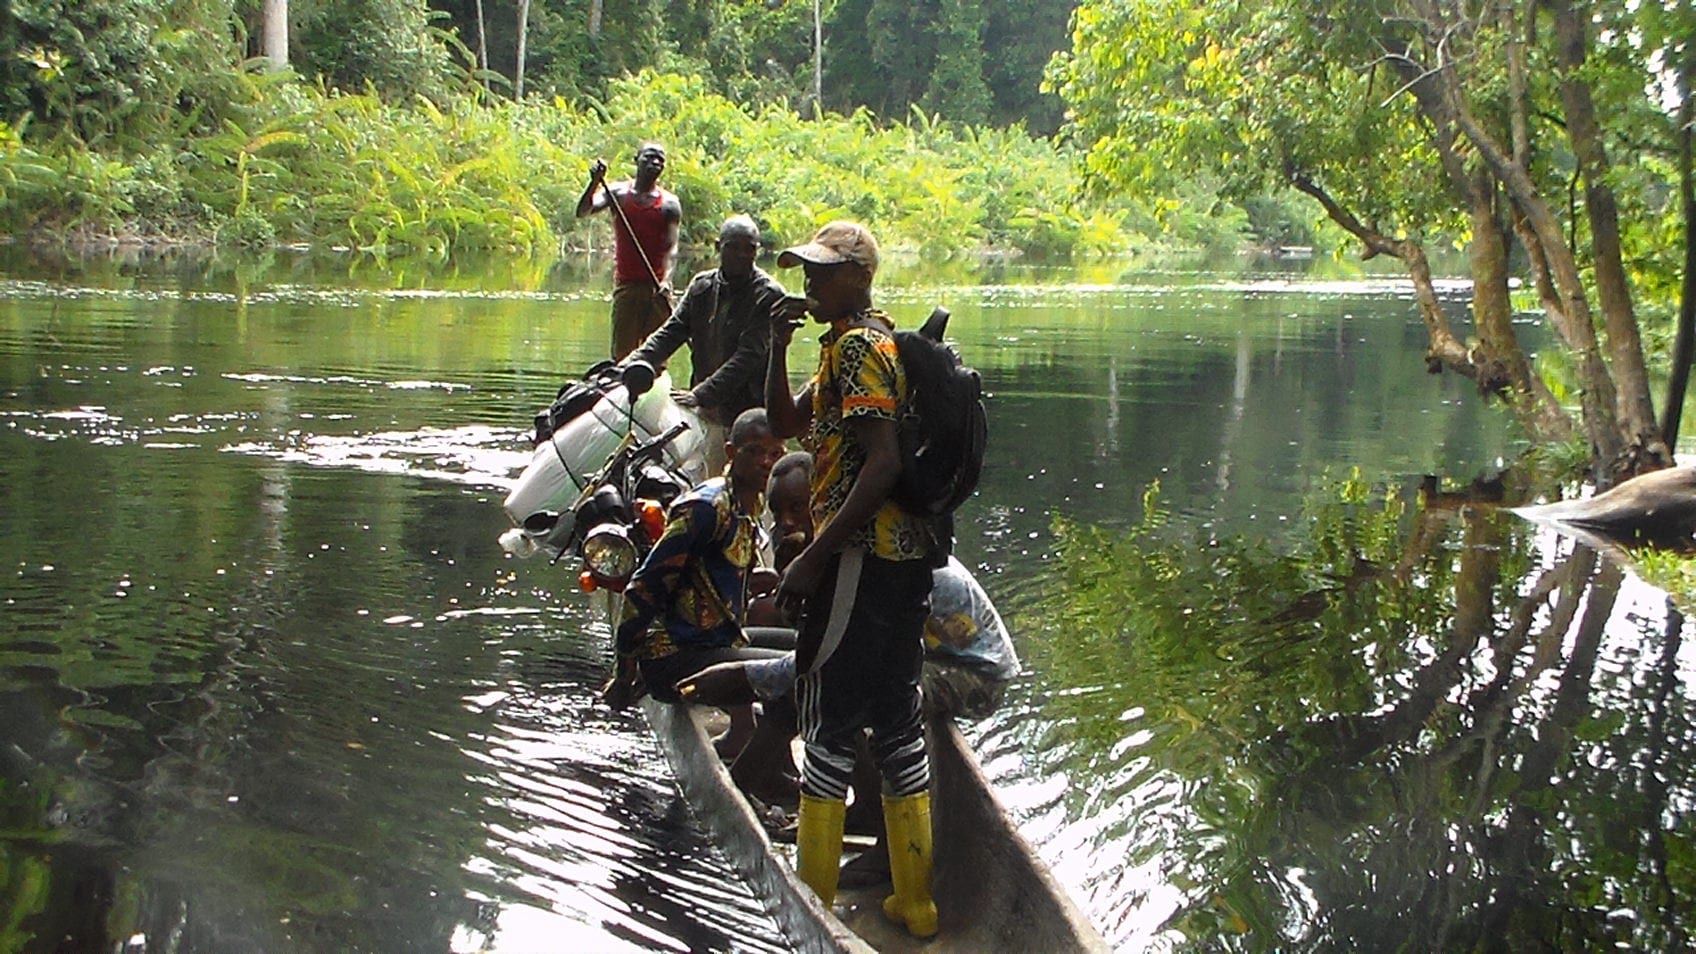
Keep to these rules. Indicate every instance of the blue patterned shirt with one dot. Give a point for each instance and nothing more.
(694, 580)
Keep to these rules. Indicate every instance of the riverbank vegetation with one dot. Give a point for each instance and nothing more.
(303, 164)
(393, 134)
(1553, 138)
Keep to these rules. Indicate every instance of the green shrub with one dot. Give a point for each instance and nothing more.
(117, 73)
(388, 45)
(322, 165)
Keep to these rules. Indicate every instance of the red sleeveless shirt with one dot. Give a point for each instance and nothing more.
(647, 220)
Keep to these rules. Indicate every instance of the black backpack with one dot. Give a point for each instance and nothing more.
(942, 428)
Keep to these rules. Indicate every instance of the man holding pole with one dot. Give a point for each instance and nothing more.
(646, 220)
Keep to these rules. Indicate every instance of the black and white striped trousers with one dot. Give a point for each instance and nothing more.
(867, 617)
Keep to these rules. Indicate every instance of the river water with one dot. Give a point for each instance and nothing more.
(268, 683)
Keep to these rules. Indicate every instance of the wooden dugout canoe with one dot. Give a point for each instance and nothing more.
(992, 892)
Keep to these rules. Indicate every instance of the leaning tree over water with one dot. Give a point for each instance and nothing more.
(1540, 131)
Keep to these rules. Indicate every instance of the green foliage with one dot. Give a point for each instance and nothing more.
(757, 54)
(122, 122)
(564, 60)
(121, 73)
(389, 44)
(28, 883)
(957, 88)
(1673, 572)
(1022, 36)
(1251, 95)
(1188, 610)
(320, 165)
(967, 59)
(1275, 220)
(1378, 705)
(1412, 125)
(971, 60)
(882, 58)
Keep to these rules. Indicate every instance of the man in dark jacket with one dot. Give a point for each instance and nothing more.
(724, 318)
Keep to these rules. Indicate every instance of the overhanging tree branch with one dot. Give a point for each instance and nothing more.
(1445, 350)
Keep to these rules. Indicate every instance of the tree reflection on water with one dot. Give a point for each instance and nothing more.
(1424, 727)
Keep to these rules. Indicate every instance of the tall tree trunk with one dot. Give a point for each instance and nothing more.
(1492, 311)
(594, 18)
(482, 39)
(523, 38)
(1613, 289)
(1502, 364)
(818, 61)
(1564, 300)
(1498, 365)
(1684, 343)
(275, 39)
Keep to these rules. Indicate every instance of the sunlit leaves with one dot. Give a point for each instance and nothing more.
(1254, 94)
(337, 168)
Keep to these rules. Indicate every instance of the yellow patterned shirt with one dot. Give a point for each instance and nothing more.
(859, 375)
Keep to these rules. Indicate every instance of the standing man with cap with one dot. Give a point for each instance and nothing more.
(646, 221)
(725, 318)
(861, 589)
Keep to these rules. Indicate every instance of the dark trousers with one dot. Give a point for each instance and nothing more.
(868, 619)
(638, 310)
(663, 674)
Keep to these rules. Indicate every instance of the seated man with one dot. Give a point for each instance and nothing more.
(969, 656)
(694, 582)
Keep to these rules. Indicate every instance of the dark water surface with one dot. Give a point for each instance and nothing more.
(267, 683)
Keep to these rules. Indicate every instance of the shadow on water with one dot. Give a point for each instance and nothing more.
(1426, 729)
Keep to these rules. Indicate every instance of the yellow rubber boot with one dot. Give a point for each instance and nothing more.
(818, 844)
(907, 821)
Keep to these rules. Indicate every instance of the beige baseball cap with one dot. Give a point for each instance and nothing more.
(838, 242)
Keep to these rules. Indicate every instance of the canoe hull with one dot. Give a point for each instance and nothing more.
(706, 784)
(992, 892)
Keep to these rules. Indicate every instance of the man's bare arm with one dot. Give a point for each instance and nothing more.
(594, 197)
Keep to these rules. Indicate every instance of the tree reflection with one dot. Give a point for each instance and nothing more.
(1428, 729)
